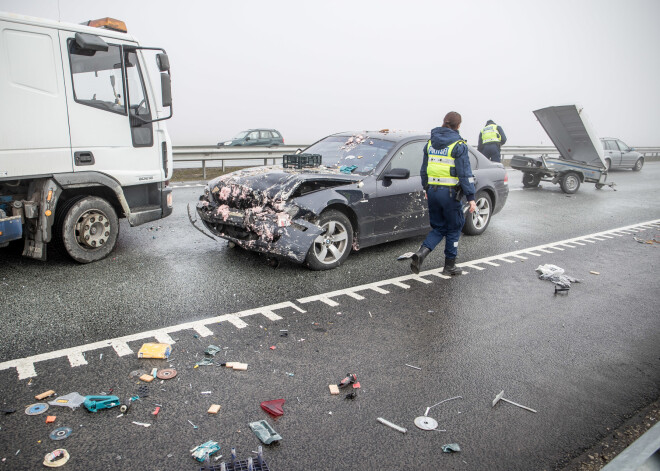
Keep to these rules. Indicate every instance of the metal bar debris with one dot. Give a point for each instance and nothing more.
(499, 398)
(391, 425)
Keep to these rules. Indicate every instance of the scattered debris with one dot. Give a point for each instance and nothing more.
(274, 407)
(97, 403)
(205, 362)
(147, 378)
(426, 423)
(273, 347)
(441, 402)
(347, 168)
(351, 395)
(499, 398)
(142, 424)
(202, 452)
(60, 433)
(391, 425)
(124, 407)
(136, 373)
(654, 240)
(194, 426)
(72, 400)
(8, 410)
(594, 272)
(156, 411)
(451, 448)
(556, 275)
(356, 385)
(334, 389)
(155, 350)
(349, 379)
(415, 367)
(166, 373)
(237, 366)
(265, 432)
(206, 392)
(44, 395)
(214, 409)
(50, 419)
(56, 458)
(36, 409)
(212, 350)
(405, 256)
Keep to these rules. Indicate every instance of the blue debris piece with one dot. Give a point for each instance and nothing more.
(347, 168)
(203, 451)
(97, 403)
(265, 432)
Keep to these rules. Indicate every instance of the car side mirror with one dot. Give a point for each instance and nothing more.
(247, 138)
(631, 149)
(397, 174)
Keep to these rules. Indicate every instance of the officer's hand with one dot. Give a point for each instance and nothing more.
(473, 206)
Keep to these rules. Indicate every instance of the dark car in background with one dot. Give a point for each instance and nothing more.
(361, 189)
(255, 137)
(619, 155)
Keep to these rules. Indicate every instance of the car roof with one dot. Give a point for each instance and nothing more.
(387, 135)
(261, 129)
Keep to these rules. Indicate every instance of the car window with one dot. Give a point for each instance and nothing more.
(623, 146)
(610, 145)
(410, 157)
(264, 134)
(254, 135)
(276, 134)
(474, 162)
(241, 135)
(362, 151)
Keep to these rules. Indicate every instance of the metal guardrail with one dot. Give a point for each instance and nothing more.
(205, 154)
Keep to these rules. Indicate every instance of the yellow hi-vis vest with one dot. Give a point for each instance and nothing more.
(490, 134)
(440, 163)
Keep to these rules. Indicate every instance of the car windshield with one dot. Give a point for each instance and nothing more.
(345, 151)
(241, 135)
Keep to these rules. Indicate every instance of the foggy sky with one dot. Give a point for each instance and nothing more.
(312, 68)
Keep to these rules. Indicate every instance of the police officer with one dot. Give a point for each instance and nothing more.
(445, 169)
(491, 139)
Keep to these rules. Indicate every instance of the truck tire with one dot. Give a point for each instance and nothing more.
(87, 228)
(331, 248)
(570, 182)
(531, 180)
(476, 224)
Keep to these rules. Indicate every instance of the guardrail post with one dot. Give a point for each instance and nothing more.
(204, 169)
(223, 165)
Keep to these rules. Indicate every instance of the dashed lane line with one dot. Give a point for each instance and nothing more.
(25, 367)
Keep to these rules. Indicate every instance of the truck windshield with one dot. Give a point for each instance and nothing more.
(97, 78)
(345, 151)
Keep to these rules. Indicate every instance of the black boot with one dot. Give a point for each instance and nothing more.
(418, 258)
(451, 268)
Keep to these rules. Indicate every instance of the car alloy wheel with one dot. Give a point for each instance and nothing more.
(476, 222)
(334, 244)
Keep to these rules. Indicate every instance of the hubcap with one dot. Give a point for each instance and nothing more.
(482, 214)
(571, 182)
(330, 246)
(92, 229)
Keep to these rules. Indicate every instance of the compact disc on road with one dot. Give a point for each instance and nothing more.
(36, 409)
(426, 423)
(167, 373)
(60, 433)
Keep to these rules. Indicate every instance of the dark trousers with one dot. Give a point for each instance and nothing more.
(492, 151)
(447, 219)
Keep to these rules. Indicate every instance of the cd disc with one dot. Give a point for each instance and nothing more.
(426, 423)
(36, 409)
(167, 373)
(60, 433)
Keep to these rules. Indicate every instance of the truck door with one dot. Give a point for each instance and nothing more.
(102, 138)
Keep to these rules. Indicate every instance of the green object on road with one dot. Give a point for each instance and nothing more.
(265, 432)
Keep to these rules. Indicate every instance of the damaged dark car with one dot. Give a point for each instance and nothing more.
(345, 192)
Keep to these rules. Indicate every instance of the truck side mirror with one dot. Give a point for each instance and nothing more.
(163, 62)
(166, 87)
(90, 42)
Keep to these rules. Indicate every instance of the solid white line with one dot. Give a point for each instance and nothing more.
(25, 366)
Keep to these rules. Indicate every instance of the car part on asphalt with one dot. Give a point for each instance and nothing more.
(202, 452)
(391, 425)
(127, 405)
(500, 397)
(56, 458)
(97, 403)
(60, 433)
(36, 409)
(426, 423)
(265, 432)
(166, 373)
(72, 400)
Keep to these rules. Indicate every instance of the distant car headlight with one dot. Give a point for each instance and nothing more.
(228, 143)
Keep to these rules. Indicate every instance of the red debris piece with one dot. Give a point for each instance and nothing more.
(356, 385)
(273, 407)
(156, 411)
(273, 347)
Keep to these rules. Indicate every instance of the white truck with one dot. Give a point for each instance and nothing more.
(82, 134)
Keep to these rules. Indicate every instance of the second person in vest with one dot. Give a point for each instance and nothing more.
(491, 139)
(445, 169)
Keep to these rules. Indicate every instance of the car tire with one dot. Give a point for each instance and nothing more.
(332, 247)
(638, 165)
(570, 182)
(86, 228)
(476, 224)
(608, 164)
(531, 180)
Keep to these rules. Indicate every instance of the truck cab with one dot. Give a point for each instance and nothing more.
(83, 140)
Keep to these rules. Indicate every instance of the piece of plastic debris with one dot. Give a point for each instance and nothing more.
(265, 432)
(451, 448)
(273, 347)
(405, 256)
(60, 433)
(155, 350)
(50, 419)
(594, 272)
(36, 409)
(349, 379)
(204, 362)
(7, 410)
(415, 367)
(72, 400)
(142, 424)
(334, 389)
(240, 366)
(147, 378)
(357, 385)
(212, 350)
(274, 407)
(156, 411)
(202, 452)
(143, 391)
(154, 372)
(347, 168)
(166, 373)
(44, 395)
(214, 409)
(56, 458)
(556, 275)
(194, 426)
(499, 398)
(97, 403)
(391, 425)
(206, 392)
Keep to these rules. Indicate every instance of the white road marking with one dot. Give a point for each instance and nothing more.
(25, 367)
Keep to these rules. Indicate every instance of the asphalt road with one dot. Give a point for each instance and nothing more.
(585, 360)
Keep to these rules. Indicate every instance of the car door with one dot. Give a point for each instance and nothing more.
(400, 205)
(252, 139)
(265, 138)
(628, 157)
(612, 152)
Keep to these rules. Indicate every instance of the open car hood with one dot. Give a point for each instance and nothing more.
(570, 131)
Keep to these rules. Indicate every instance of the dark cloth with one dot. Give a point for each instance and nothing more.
(446, 217)
(492, 149)
(441, 138)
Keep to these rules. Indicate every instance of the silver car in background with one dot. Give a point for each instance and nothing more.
(619, 155)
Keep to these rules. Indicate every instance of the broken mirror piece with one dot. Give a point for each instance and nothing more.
(265, 432)
(72, 400)
(273, 407)
(202, 452)
(450, 448)
(212, 350)
(155, 350)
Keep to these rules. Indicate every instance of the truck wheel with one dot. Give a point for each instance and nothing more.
(476, 223)
(638, 165)
(531, 180)
(332, 247)
(87, 227)
(570, 182)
